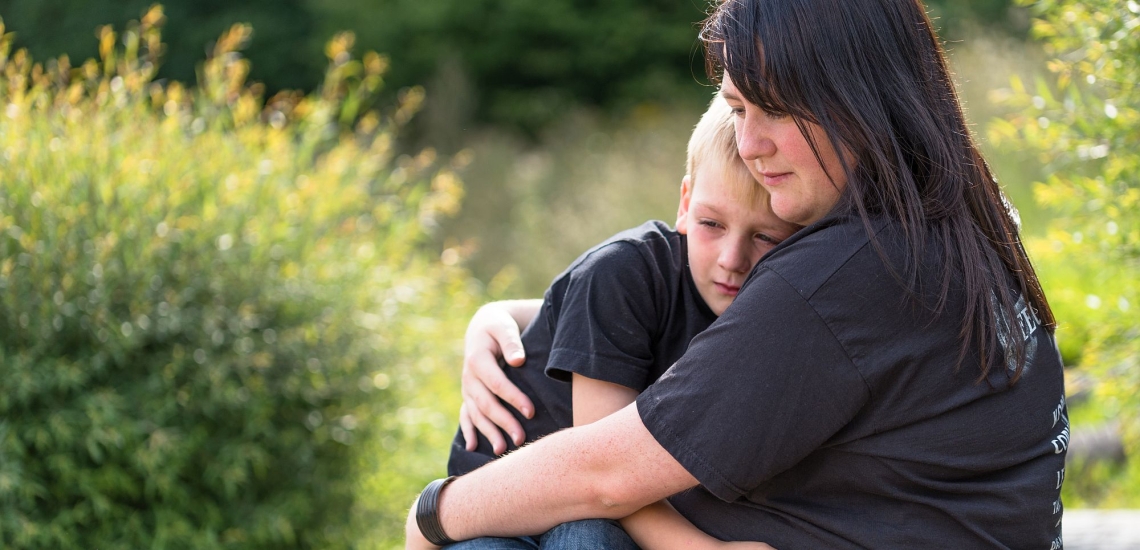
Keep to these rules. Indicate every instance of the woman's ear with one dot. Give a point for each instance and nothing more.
(683, 205)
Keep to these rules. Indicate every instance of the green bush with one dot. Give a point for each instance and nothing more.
(1084, 124)
(210, 304)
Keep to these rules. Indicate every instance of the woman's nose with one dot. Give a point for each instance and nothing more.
(752, 139)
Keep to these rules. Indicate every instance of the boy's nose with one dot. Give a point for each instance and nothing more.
(735, 257)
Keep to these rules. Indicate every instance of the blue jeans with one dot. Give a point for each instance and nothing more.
(587, 534)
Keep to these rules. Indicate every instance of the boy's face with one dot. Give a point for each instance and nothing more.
(727, 232)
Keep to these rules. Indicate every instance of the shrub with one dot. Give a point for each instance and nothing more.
(1083, 124)
(208, 302)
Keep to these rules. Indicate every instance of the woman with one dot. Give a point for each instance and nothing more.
(887, 377)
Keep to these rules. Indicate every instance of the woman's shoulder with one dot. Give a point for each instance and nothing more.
(816, 254)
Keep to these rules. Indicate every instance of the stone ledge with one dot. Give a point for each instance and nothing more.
(1087, 529)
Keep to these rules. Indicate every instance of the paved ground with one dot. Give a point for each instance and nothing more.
(1102, 529)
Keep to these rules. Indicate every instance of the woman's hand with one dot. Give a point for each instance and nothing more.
(744, 546)
(413, 538)
(494, 332)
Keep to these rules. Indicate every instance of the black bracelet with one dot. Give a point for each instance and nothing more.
(427, 513)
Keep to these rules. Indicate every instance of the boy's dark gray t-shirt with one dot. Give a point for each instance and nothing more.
(623, 312)
(824, 410)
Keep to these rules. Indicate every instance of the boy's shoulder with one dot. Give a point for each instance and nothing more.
(653, 243)
(652, 231)
(625, 310)
(647, 260)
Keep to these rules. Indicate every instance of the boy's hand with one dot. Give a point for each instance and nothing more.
(492, 333)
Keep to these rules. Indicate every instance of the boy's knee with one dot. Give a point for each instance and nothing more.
(588, 534)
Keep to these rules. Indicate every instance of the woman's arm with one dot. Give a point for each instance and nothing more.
(657, 526)
(494, 332)
(522, 311)
(607, 469)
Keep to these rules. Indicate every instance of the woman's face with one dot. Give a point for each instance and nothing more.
(782, 160)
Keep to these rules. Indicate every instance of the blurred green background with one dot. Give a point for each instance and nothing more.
(236, 261)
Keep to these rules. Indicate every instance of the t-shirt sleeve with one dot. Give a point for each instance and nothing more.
(756, 393)
(606, 319)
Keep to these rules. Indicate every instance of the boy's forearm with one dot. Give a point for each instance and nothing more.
(608, 469)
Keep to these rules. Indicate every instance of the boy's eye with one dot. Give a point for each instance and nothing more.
(710, 223)
(767, 239)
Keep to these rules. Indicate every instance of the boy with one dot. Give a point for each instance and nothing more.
(624, 311)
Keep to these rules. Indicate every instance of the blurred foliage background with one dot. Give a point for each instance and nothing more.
(235, 269)
(515, 62)
(1081, 121)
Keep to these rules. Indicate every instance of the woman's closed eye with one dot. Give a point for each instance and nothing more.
(775, 115)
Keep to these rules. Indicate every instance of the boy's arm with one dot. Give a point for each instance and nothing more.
(597, 399)
(494, 332)
(657, 526)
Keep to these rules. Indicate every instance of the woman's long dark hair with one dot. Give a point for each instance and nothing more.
(872, 74)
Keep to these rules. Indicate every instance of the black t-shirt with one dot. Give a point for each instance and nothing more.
(823, 410)
(623, 312)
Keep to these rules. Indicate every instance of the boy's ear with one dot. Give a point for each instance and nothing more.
(683, 205)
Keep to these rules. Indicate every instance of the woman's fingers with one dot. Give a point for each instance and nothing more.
(492, 377)
(506, 335)
(467, 428)
(487, 412)
(491, 333)
(489, 430)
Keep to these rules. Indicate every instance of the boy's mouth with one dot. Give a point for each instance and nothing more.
(727, 289)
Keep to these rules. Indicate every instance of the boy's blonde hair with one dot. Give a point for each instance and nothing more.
(714, 140)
